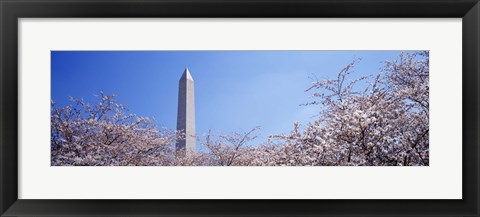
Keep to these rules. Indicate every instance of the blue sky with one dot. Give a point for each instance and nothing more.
(234, 90)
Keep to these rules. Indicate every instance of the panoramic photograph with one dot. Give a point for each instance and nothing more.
(240, 108)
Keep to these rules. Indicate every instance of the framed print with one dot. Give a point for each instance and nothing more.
(229, 108)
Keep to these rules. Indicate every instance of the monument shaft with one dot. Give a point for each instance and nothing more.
(186, 114)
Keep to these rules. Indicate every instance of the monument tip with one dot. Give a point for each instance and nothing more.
(186, 75)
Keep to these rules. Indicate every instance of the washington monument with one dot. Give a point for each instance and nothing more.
(186, 114)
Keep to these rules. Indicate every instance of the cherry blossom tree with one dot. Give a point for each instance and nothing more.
(385, 123)
(102, 134)
(229, 149)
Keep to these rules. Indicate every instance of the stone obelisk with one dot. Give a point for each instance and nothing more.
(186, 114)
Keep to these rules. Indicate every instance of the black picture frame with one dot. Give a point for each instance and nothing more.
(12, 10)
